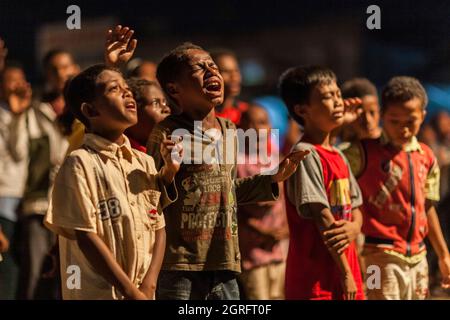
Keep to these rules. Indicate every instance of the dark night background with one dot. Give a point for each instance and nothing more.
(413, 40)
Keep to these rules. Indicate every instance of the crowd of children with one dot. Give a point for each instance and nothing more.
(128, 180)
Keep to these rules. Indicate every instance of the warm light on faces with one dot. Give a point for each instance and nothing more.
(402, 120)
(325, 110)
(367, 125)
(156, 108)
(113, 107)
(61, 68)
(200, 85)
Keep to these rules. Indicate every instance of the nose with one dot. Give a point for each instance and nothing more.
(127, 93)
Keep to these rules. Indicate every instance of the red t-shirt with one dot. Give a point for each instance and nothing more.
(311, 272)
(233, 112)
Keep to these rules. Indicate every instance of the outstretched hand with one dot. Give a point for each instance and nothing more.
(288, 166)
(172, 153)
(119, 47)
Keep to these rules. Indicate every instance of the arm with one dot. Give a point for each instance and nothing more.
(437, 241)
(342, 233)
(101, 258)
(3, 54)
(148, 286)
(324, 219)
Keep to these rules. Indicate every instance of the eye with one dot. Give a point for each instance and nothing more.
(114, 88)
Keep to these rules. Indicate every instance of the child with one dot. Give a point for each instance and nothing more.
(152, 109)
(263, 225)
(399, 183)
(367, 125)
(231, 108)
(107, 198)
(202, 257)
(321, 192)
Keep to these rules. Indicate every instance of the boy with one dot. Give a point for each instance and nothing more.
(202, 257)
(321, 192)
(367, 125)
(152, 109)
(263, 229)
(400, 182)
(107, 198)
(231, 108)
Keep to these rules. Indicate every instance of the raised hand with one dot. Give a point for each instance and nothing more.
(352, 109)
(119, 47)
(288, 166)
(172, 153)
(3, 54)
(20, 98)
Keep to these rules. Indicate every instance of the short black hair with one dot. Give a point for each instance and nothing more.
(82, 88)
(171, 66)
(53, 53)
(402, 89)
(11, 64)
(358, 88)
(137, 87)
(296, 83)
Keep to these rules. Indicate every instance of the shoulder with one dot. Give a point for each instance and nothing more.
(226, 123)
(146, 160)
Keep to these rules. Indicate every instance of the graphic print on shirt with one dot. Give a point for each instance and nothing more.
(395, 174)
(207, 189)
(340, 199)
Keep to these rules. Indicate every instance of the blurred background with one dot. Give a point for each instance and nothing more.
(267, 36)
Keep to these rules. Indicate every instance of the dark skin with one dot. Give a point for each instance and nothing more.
(199, 89)
(111, 112)
(324, 113)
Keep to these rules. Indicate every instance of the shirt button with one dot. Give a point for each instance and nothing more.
(139, 237)
(132, 203)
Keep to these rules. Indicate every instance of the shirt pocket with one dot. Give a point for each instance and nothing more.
(150, 203)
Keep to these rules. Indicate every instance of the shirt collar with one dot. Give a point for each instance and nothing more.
(107, 148)
(411, 146)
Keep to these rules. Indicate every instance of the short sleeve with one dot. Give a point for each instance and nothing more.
(354, 155)
(307, 184)
(71, 205)
(432, 182)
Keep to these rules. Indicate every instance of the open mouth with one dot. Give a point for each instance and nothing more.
(213, 86)
(130, 106)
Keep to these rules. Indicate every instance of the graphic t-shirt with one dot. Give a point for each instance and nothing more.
(322, 177)
(202, 231)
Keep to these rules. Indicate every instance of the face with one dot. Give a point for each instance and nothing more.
(325, 110)
(367, 125)
(402, 120)
(156, 108)
(114, 106)
(200, 86)
(61, 68)
(229, 69)
(13, 80)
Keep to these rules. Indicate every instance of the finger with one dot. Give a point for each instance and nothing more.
(127, 36)
(123, 33)
(132, 46)
(116, 32)
(334, 232)
(109, 36)
(341, 249)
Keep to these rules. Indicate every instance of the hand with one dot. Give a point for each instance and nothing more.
(119, 48)
(4, 243)
(54, 267)
(172, 153)
(341, 234)
(352, 109)
(3, 54)
(148, 291)
(20, 98)
(349, 286)
(288, 166)
(137, 295)
(444, 267)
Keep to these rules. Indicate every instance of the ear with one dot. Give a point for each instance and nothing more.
(88, 110)
(300, 110)
(424, 113)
